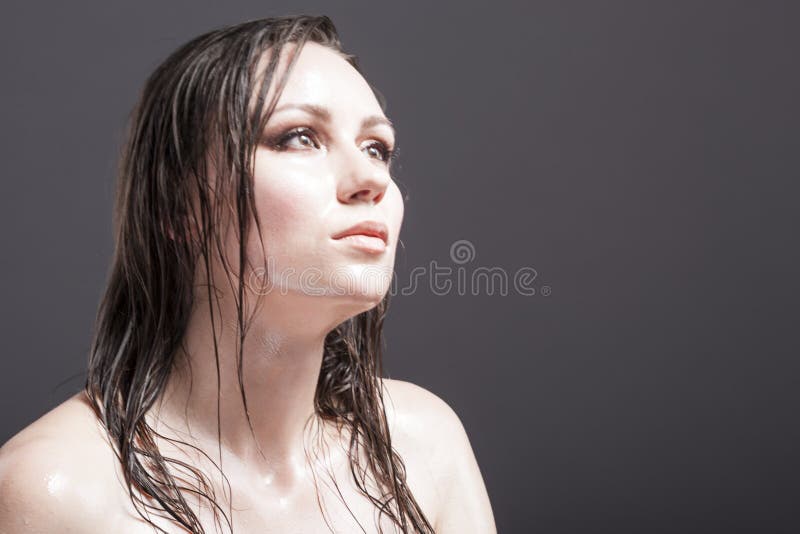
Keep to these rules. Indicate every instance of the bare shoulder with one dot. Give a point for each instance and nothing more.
(57, 474)
(422, 416)
(423, 425)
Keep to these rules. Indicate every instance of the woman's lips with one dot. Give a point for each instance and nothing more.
(370, 228)
(367, 243)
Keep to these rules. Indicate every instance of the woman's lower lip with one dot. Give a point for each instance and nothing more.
(367, 243)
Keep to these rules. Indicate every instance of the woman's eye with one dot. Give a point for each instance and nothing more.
(304, 136)
(381, 151)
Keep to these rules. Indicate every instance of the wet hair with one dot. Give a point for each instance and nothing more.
(203, 109)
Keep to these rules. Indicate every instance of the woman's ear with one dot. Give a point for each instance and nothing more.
(166, 229)
(172, 234)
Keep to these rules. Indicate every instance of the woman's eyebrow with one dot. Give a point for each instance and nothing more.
(324, 114)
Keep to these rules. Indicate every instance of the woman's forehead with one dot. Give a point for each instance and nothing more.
(322, 77)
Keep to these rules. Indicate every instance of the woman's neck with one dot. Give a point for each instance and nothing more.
(280, 370)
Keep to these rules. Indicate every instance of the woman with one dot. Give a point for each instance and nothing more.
(234, 379)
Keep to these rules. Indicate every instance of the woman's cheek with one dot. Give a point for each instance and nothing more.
(288, 210)
(397, 207)
(280, 197)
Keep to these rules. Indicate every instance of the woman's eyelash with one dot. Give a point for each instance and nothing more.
(387, 153)
(281, 140)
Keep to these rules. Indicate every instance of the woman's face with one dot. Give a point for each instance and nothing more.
(321, 168)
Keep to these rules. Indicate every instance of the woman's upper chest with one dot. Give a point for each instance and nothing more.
(330, 501)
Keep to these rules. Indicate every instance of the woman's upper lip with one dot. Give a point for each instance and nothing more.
(373, 228)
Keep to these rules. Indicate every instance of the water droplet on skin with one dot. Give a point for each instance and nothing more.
(55, 483)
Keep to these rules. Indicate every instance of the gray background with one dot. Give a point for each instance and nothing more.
(642, 157)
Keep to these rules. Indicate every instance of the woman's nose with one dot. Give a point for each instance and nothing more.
(361, 179)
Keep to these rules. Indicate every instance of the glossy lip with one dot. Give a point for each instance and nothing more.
(370, 228)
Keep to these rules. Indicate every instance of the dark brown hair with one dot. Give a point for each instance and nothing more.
(197, 103)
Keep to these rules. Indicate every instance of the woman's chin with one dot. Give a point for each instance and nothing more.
(354, 302)
(362, 298)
